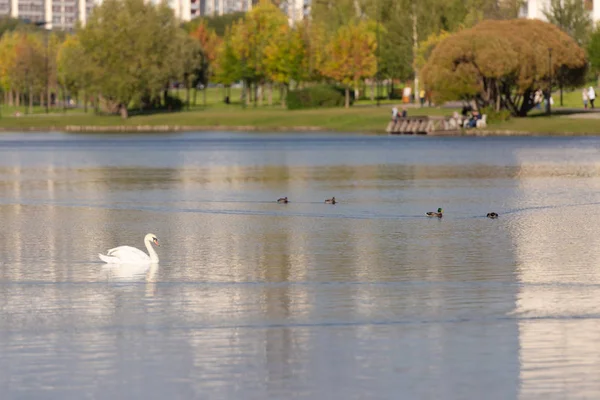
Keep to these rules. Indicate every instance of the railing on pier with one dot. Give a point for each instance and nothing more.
(420, 125)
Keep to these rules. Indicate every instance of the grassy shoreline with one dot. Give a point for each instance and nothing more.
(357, 119)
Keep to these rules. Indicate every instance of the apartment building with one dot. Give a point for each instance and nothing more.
(57, 14)
(64, 14)
(295, 9)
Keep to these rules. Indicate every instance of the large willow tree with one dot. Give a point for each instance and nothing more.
(503, 63)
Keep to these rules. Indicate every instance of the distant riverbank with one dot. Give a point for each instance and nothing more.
(361, 119)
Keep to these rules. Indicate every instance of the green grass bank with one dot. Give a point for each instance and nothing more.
(365, 116)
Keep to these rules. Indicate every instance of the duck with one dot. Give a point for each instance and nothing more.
(435, 214)
(492, 215)
(282, 200)
(330, 201)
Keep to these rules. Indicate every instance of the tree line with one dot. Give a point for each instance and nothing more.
(130, 52)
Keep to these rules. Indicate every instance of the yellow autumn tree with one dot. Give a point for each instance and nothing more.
(250, 37)
(8, 54)
(351, 56)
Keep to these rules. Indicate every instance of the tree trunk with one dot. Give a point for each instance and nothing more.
(64, 95)
(204, 95)
(42, 99)
(30, 95)
(17, 99)
(195, 95)
(356, 93)
(561, 93)
(261, 94)
(270, 95)
(243, 99)
(11, 98)
(373, 90)
(285, 89)
(123, 111)
(187, 95)
(85, 102)
(249, 94)
(282, 95)
(347, 105)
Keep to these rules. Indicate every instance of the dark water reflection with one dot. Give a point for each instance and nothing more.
(254, 300)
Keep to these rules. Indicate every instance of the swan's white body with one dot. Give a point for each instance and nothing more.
(131, 255)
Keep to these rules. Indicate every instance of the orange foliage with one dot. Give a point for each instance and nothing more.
(209, 41)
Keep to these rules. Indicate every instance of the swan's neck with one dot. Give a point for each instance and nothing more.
(151, 252)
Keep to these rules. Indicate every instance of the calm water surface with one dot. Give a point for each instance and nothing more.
(367, 299)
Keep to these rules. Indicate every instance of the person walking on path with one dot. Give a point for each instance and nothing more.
(592, 96)
(584, 96)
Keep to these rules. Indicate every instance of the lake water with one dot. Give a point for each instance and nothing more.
(365, 299)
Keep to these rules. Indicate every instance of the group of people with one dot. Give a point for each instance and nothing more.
(588, 95)
(396, 115)
(468, 117)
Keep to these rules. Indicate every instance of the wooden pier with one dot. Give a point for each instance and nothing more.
(421, 125)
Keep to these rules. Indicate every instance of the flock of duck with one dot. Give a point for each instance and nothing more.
(439, 213)
(284, 200)
(131, 255)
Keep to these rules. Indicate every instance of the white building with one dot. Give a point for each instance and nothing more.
(295, 9)
(536, 8)
(64, 14)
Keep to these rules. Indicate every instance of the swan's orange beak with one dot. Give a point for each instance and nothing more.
(156, 242)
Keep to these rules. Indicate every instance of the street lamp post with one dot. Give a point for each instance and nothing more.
(548, 100)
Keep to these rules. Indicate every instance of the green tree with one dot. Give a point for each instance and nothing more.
(572, 17)
(190, 64)
(593, 50)
(227, 67)
(130, 44)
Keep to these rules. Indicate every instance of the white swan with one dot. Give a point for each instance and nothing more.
(131, 255)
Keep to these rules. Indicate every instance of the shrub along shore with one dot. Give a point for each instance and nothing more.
(358, 119)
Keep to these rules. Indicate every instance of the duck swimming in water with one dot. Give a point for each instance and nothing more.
(330, 201)
(282, 200)
(492, 215)
(435, 214)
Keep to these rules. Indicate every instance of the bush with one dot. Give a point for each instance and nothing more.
(322, 96)
(495, 116)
